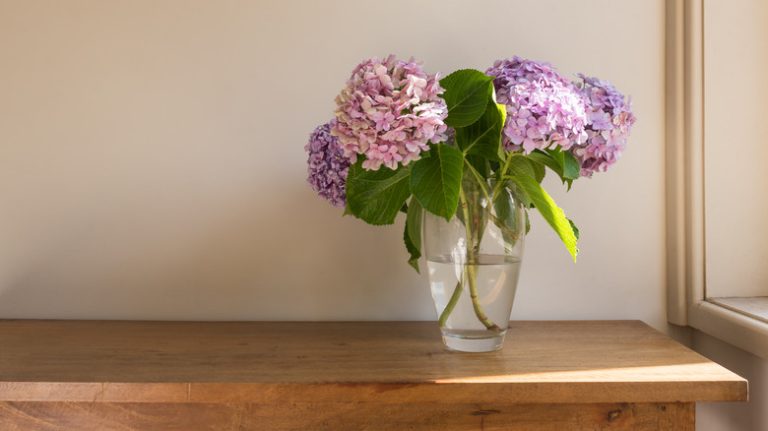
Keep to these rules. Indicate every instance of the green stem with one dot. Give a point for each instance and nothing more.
(469, 267)
(502, 174)
(451, 304)
(479, 179)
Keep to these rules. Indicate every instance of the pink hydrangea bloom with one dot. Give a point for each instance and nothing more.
(610, 120)
(543, 108)
(388, 112)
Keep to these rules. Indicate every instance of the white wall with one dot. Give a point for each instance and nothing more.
(152, 164)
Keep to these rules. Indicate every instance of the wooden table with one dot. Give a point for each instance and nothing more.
(107, 375)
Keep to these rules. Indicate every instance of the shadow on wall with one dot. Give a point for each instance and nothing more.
(290, 256)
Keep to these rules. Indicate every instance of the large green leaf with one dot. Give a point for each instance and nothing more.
(412, 234)
(376, 196)
(548, 209)
(467, 93)
(436, 180)
(483, 137)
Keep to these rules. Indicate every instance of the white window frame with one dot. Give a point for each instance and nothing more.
(685, 187)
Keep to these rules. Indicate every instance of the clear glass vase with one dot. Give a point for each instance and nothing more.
(474, 263)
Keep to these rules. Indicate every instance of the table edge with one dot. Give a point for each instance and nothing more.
(386, 393)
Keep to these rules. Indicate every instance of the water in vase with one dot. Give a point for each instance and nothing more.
(491, 280)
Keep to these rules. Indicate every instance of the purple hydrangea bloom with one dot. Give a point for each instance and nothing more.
(328, 167)
(543, 108)
(388, 112)
(609, 119)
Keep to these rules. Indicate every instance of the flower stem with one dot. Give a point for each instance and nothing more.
(469, 267)
(502, 174)
(451, 304)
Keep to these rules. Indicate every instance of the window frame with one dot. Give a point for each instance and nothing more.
(685, 188)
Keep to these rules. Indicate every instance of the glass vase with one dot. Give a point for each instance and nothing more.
(474, 261)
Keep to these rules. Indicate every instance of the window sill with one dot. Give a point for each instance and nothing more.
(755, 307)
(734, 322)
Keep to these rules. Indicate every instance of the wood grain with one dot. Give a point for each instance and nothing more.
(381, 362)
(328, 416)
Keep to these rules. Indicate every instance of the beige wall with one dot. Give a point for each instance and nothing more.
(152, 164)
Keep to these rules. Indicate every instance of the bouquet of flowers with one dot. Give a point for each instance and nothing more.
(404, 140)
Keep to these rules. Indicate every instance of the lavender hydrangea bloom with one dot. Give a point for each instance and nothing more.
(610, 120)
(328, 167)
(543, 108)
(388, 112)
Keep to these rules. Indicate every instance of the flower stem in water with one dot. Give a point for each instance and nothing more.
(451, 304)
(469, 267)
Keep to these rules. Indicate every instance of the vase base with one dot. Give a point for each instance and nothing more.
(473, 341)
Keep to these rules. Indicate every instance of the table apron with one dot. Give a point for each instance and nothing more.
(342, 416)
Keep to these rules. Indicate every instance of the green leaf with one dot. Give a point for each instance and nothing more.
(520, 194)
(467, 92)
(558, 156)
(575, 228)
(436, 180)
(376, 196)
(571, 166)
(413, 251)
(553, 214)
(545, 159)
(478, 165)
(483, 137)
(347, 211)
(563, 163)
(412, 234)
(538, 170)
(522, 165)
(413, 222)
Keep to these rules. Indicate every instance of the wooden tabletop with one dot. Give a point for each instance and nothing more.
(389, 362)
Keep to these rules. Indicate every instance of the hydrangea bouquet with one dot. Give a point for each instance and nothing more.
(470, 149)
